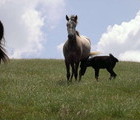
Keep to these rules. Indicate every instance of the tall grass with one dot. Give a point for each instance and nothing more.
(37, 90)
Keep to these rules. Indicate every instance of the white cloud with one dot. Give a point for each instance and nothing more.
(60, 49)
(122, 40)
(24, 21)
(53, 9)
(130, 56)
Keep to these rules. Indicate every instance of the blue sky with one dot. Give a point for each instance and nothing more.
(40, 26)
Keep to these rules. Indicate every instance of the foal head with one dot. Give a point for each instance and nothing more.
(71, 26)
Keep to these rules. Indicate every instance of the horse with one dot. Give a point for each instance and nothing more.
(76, 49)
(3, 56)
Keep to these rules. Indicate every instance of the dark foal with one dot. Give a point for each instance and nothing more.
(100, 62)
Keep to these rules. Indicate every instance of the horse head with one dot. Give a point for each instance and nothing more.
(71, 26)
(72, 18)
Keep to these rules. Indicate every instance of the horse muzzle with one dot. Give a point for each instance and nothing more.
(70, 36)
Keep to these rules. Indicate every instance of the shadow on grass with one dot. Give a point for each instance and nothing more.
(62, 82)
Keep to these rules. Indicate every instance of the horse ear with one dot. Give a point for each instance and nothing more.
(67, 18)
(76, 17)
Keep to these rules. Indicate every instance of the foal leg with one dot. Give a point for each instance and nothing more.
(96, 74)
(112, 73)
(82, 72)
(83, 68)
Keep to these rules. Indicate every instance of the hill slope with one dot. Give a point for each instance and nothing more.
(37, 90)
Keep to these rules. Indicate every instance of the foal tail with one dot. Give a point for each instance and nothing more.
(94, 53)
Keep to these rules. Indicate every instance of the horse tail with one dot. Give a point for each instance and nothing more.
(1, 32)
(3, 56)
(94, 53)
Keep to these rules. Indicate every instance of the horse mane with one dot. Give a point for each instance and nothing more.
(77, 33)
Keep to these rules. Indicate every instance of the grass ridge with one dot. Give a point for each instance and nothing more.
(36, 89)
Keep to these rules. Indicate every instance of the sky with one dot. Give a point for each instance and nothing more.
(37, 28)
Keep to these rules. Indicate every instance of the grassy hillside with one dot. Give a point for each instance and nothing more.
(37, 90)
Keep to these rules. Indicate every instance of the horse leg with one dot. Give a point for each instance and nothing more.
(73, 71)
(80, 75)
(76, 70)
(68, 70)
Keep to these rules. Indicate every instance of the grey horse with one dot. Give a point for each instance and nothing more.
(76, 48)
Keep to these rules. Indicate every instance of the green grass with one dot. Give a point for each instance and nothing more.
(37, 90)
